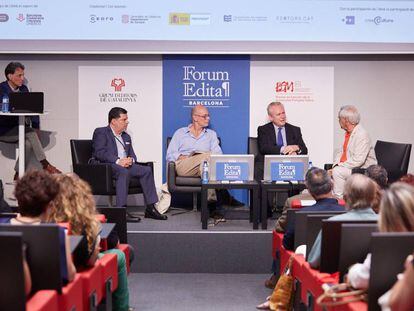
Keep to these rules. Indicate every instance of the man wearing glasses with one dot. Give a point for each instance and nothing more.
(190, 146)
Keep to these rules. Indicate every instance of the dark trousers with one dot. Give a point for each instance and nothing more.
(146, 179)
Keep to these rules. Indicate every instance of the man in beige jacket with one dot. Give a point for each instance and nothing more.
(357, 150)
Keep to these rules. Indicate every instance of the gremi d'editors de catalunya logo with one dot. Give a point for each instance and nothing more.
(117, 95)
(4, 17)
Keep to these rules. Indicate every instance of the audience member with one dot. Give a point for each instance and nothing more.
(402, 293)
(378, 174)
(396, 215)
(356, 152)
(359, 193)
(75, 204)
(9, 130)
(408, 179)
(319, 184)
(35, 193)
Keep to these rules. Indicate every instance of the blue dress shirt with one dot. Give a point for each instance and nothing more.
(185, 143)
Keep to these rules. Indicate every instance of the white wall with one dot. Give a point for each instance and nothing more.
(381, 87)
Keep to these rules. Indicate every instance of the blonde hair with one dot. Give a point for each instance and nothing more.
(359, 192)
(75, 204)
(397, 208)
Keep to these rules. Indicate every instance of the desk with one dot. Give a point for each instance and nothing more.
(22, 117)
(269, 186)
(252, 186)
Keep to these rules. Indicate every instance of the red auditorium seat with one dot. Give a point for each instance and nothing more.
(125, 249)
(92, 286)
(101, 218)
(43, 300)
(71, 297)
(109, 264)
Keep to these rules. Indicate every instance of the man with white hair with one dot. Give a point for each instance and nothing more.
(357, 150)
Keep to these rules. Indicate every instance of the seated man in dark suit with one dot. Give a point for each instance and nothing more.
(320, 186)
(277, 137)
(111, 144)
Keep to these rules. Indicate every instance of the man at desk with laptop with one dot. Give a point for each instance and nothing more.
(279, 138)
(14, 88)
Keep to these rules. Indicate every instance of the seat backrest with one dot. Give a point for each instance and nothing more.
(12, 294)
(116, 215)
(394, 157)
(355, 241)
(300, 220)
(388, 254)
(43, 258)
(331, 242)
(81, 150)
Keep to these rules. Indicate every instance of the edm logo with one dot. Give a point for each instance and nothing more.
(284, 86)
(209, 88)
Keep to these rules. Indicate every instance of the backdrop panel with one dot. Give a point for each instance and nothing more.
(308, 96)
(219, 83)
(135, 88)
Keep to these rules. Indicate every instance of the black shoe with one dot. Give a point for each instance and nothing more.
(234, 202)
(129, 218)
(151, 212)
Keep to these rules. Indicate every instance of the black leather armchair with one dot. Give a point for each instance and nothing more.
(394, 157)
(99, 176)
(182, 184)
(253, 148)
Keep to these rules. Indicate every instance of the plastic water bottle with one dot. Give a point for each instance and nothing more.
(204, 175)
(5, 103)
(310, 165)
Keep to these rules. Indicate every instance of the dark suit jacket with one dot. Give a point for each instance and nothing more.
(266, 138)
(104, 146)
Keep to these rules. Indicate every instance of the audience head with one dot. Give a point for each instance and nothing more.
(397, 208)
(378, 174)
(319, 183)
(200, 116)
(14, 73)
(348, 117)
(118, 119)
(75, 204)
(277, 114)
(359, 192)
(35, 192)
(408, 179)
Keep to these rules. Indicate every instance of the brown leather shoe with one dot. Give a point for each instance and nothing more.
(52, 170)
(271, 282)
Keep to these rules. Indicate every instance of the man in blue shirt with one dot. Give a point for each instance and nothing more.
(190, 146)
(9, 125)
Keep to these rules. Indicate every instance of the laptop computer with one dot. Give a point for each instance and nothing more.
(231, 167)
(285, 167)
(29, 102)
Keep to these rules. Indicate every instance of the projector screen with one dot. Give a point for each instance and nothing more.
(193, 26)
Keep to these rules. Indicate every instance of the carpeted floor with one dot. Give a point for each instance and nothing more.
(197, 292)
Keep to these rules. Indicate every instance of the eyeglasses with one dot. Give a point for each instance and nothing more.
(205, 116)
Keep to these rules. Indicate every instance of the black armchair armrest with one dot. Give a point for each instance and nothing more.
(171, 176)
(99, 176)
(150, 164)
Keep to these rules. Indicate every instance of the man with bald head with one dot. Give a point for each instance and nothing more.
(192, 145)
(357, 150)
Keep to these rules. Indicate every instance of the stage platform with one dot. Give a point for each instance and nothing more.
(179, 245)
